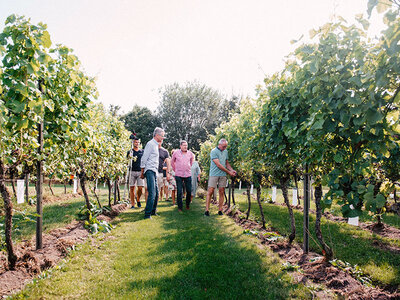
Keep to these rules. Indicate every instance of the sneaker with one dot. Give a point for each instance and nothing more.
(187, 207)
(155, 214)
(139, 204)
(207, 213)
(220, 213)
(147, 217)
(132, 207)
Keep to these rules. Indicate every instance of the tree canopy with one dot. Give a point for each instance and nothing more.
(142, 121)
(192, 111)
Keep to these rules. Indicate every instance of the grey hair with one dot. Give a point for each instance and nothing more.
(158, 131)
(222, 141)
(182, 141)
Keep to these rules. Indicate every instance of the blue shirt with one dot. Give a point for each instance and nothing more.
(222, 156)
(150, 156)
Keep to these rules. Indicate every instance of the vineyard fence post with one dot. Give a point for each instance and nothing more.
(306, 210)
(39, 190)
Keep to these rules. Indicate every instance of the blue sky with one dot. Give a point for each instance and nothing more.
(134, 48)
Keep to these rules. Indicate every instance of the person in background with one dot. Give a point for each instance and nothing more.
(219, 167)
(149, 168)
(164, 160)
(172, 183)
(195, 170)
(134, 173)
(181, 162)
(165, 182)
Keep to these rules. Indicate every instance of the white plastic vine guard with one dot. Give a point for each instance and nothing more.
(274, 194)
(353, 221)
(75, 185)
(20, 190)
(294, 198)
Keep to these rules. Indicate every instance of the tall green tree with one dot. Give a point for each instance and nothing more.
(142, 121)
(191, 112)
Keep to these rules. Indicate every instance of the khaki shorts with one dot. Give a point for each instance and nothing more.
(160, 181)
(134, 179)
(214, 181)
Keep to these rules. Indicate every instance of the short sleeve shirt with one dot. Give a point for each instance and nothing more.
(222, 156)
(136, 157)
(163, 155)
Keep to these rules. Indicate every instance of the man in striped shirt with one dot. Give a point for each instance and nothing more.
(181, 163)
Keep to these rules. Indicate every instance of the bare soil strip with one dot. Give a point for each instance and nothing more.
(314, 267)
(56, 245)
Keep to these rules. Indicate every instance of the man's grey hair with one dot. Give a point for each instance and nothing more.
(182, 141)
(158, 131)
(222, 141)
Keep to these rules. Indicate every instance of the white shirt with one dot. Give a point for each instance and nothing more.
(150, 158)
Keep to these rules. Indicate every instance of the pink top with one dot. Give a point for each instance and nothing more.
(182, 162)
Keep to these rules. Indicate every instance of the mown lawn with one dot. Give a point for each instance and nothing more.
(389, 218)
(55, 214)
(350, 243)
(172, 256)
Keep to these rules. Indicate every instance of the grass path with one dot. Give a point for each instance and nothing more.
(172, 256)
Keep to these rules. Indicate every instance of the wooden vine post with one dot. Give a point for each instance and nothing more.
(306, 221)
(39, 190)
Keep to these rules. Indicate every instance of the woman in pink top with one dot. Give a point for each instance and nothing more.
(181, 163)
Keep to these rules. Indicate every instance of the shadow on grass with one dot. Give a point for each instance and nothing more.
(130, 215)
(213, 264)
(349, 243)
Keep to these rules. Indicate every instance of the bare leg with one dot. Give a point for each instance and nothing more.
(166, 192)
(173, 197)
(161, 192)
(210, 192)
(139, 193)
(132, 195)
(221, 198)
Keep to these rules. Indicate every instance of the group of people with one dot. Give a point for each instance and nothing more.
(160, 173)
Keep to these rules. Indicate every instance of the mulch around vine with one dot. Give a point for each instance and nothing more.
(60, 198)
(56, 245)
(385, 230)
(314, 267)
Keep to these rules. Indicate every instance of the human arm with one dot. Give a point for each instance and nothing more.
(172, 162)
(168, 161)
(221, 167)
(191, 159)
(230, 168)
(198, 171)
(143, 160)
(145, 156)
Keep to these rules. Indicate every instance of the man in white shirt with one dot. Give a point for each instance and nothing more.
(149, 165)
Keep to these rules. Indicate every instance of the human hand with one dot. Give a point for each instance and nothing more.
(141, 175)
